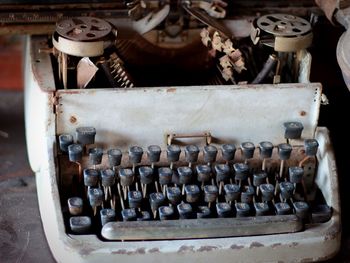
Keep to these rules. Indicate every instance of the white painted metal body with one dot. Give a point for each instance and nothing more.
(142, 116)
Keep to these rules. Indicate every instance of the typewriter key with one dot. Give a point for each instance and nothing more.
(129, 214)
(75, 152)
(95, 198)
(241, 171)
(301, 209)
(153, 154)
(222, 174)
(107, 215)
(265, 149)
(135, 156)
(173, 195)
(86, 135)
(296, 174)
(185, 211)
(232, 192)
(247, 194)
(185, 176)
(135, 199)
(80, 224)
(166, 212)
(258, 179)
(261, 209)
(242, 209)
(91, 177)
(210, 152)
(267, 192)
(107, 177)
(126, 177)
(165, 175)
(284, 152)
(248, 149)
(95, 156)
(210, 194)
(114, 157)
(64, 141)
(228, 152)
(192, 193)
(203, 173)
(75, 206)
(191, 154)
(146, 177)
(311, 146)
(203, 212)
(156, 200)
(224, 210)
(144, 216)
(293, 130)
(282, 208)
(287, 190)
(173, 154)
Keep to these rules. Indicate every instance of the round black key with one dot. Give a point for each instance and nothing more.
(107, 177)
(185, 174)
(247, 194)
(165, 175)
(173, 153)
(228, 152)
(126, 176)
(284, 151)
(192, 193)
(86, 135)
(95, 196)
(203, 172)
(232, 192)
(166, 212)
(191, 153)
(241, 171)
(153, 153)
(75, 206)
(296, 174)
(129, 214)
(224, 210)
(222, 172)
(135, 199)
(210, 152)
(261, 209)
(267, 192)
(242, 209)
(146, 174)
(265, 149)
(64, 141)
(144, 216)
(80, 224)
(135, 154)
(90, 177)
(210, 193)
(259, 178)
(156, 200)
(311, 146)
(107, 215)
(203, 212)
(75, 152)
(248, 149)
(185, 211)
(301, 209)
(95, 156)
(287, 189)
(174, 195)
(114, 157)
(282, 208)
(293, 130)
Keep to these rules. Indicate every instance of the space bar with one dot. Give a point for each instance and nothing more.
(201, 228)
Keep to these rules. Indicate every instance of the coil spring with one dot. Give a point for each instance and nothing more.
(118, 72)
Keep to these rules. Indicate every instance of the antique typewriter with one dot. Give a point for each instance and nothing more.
(177, 131)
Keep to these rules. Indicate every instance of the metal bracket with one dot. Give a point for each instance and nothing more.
(206, 135)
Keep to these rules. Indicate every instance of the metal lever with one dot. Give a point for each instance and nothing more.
(206, 135)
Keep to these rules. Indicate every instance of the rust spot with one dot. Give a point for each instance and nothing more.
(184, 249)
(332, 233)
(302, 113)
(236, 247)
(171, 90)
(73, 119)
(154, 250)
(206, 248)
(256, 244)
(276, 245)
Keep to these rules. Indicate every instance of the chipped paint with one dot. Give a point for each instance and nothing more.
(184, 249)
(154, 250)
(234, 246)
(256, 244)
(171, 90)
(206, 248)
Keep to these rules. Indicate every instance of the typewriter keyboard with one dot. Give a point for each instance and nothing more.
(188, 191)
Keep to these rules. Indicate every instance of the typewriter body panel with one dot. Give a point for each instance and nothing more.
(179, 112)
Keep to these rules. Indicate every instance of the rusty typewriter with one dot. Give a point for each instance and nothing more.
(177, 131)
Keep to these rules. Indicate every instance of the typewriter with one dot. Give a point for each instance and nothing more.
(177, 130)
